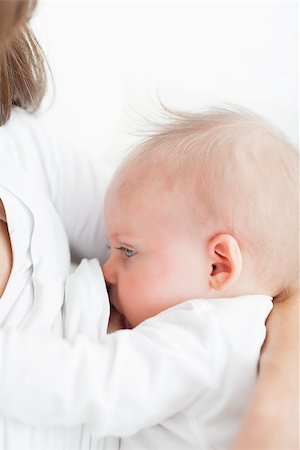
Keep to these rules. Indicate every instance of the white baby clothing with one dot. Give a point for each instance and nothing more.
(179, 380)
(51, 196)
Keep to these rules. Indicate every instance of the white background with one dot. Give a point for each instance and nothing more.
(111, 60)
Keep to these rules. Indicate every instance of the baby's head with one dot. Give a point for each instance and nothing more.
(204, 208)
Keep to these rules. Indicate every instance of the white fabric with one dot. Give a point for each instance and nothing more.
(74, 184)
(50, 195)
(190, 369)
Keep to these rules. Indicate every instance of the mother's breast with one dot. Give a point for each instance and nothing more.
(5, 251)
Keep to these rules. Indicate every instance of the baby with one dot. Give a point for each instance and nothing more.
(203, 209)
(202, 228)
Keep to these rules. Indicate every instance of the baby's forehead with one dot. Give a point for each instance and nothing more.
(147, 215)
(156, 199)
(150, 194)
(139, 187)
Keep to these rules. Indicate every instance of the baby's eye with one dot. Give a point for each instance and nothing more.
(127, 251)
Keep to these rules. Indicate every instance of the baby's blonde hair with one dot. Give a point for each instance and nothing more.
(244, 174)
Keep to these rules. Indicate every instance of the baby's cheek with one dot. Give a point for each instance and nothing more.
(130, 289)
(136, 300)
(165, 273)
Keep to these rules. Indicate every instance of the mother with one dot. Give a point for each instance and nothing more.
(48, 192)
(43, 213)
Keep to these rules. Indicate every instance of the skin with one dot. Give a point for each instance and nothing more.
(154, 261)
(160, 255)
(6, 258)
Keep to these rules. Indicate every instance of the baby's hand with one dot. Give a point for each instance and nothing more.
(116, 321)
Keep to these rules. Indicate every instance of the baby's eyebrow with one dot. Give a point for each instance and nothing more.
(123, 237)
(128, 239)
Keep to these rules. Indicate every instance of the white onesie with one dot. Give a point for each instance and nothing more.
(179, 380)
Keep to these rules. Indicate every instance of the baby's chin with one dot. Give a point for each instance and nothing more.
(126, 324)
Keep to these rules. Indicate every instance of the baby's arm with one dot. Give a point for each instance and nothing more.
(272, 420)
(130, 380)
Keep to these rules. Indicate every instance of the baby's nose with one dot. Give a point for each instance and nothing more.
(109, 273)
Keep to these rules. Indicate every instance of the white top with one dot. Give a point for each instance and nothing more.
(179, 380)
(51, 196)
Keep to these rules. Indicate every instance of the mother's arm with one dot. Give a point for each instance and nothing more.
(272, 419)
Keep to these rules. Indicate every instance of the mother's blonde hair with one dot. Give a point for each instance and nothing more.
(22, 62)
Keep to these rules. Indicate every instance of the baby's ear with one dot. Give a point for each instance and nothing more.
(226, 261)
(2, 212)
